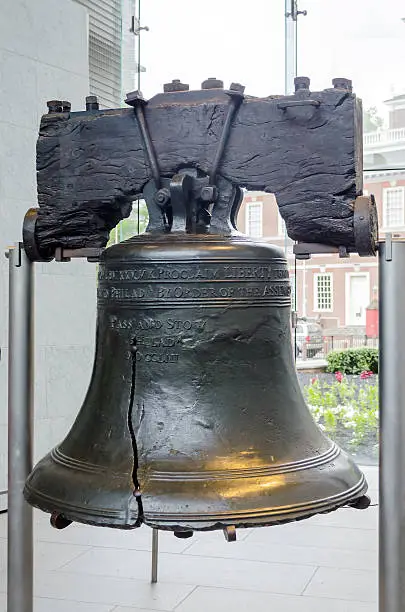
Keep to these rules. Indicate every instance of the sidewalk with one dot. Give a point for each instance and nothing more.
(328, 562)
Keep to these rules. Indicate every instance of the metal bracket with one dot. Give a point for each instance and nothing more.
(31, 246)
(388, 247)
(235, 94)
(365, 229)
(304, 250)
(91, 254)
(365, 225)
(291, 103)
(61, 254)
(294, 12)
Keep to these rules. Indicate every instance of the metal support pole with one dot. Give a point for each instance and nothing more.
(290, 46)
(155, 551)
(392, 426)
(20, 395)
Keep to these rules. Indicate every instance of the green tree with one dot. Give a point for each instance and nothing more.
(129, 227)
(372, 120)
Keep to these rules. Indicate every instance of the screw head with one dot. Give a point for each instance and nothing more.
(342, 83)
(175, 85)
(212, 83)
(301, 83)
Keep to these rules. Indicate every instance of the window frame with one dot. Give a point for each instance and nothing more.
(385, 192)
(258, 204)
(316, 293)
(281, 226)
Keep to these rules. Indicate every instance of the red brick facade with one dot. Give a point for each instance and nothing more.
(338, 291)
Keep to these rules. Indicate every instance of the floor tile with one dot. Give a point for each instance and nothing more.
(3, 525)
(305, 534)
(125, 609)
(174, 569)
(137, 539)
(47, 555)
(371, 473)
(343, 584)
(107, 590)
(348, 517)
(287, 553)
(227, 600)
(44, 604)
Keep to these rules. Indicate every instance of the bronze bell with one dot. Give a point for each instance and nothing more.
(194, 418)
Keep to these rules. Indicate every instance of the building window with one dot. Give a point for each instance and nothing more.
(393, 207)
(323, 288)
(254, 219)
(281, 225)
(292, 283)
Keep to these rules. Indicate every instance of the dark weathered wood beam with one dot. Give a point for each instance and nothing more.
(91, 165)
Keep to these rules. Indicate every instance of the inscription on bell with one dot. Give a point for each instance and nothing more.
(176, 272)
(193, 293)
(170, 325)
(183, 283)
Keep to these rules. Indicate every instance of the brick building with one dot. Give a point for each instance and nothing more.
(338, 291)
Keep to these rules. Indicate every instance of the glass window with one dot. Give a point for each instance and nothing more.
(254, 219)
(292, 283)
(393, 207)
(281, 226)
(323, 285)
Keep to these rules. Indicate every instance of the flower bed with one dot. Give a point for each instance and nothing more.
(346, 408)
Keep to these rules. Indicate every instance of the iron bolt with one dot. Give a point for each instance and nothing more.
(209, 193)
(162, 196)
(54, 106)
(175, 85)
(341, 83)
(237, 87)
(92, 103)
(212, 83)
(134, 98)
(301, 83)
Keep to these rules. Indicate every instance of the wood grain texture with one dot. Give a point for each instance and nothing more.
(91, 165)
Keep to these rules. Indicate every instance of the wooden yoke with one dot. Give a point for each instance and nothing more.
(305, 148)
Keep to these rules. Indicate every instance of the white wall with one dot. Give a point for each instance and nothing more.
(43, 55)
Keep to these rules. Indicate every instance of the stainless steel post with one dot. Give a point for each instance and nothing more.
(155, 551)
(20, 394)
(290, 45)
(392, 426)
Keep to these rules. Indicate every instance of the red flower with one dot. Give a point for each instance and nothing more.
(313, 381)
(366, 374)
(339, 376)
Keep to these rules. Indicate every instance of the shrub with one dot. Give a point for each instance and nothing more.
(353, 361)
(345, 410)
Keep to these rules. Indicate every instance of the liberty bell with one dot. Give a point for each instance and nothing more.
(194, 418)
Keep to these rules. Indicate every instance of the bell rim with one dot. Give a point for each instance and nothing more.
(262, 517)
(302, 510)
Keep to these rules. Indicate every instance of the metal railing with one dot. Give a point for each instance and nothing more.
(336, 343)
(391, 136)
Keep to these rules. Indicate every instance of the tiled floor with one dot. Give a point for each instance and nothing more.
(325, 563)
